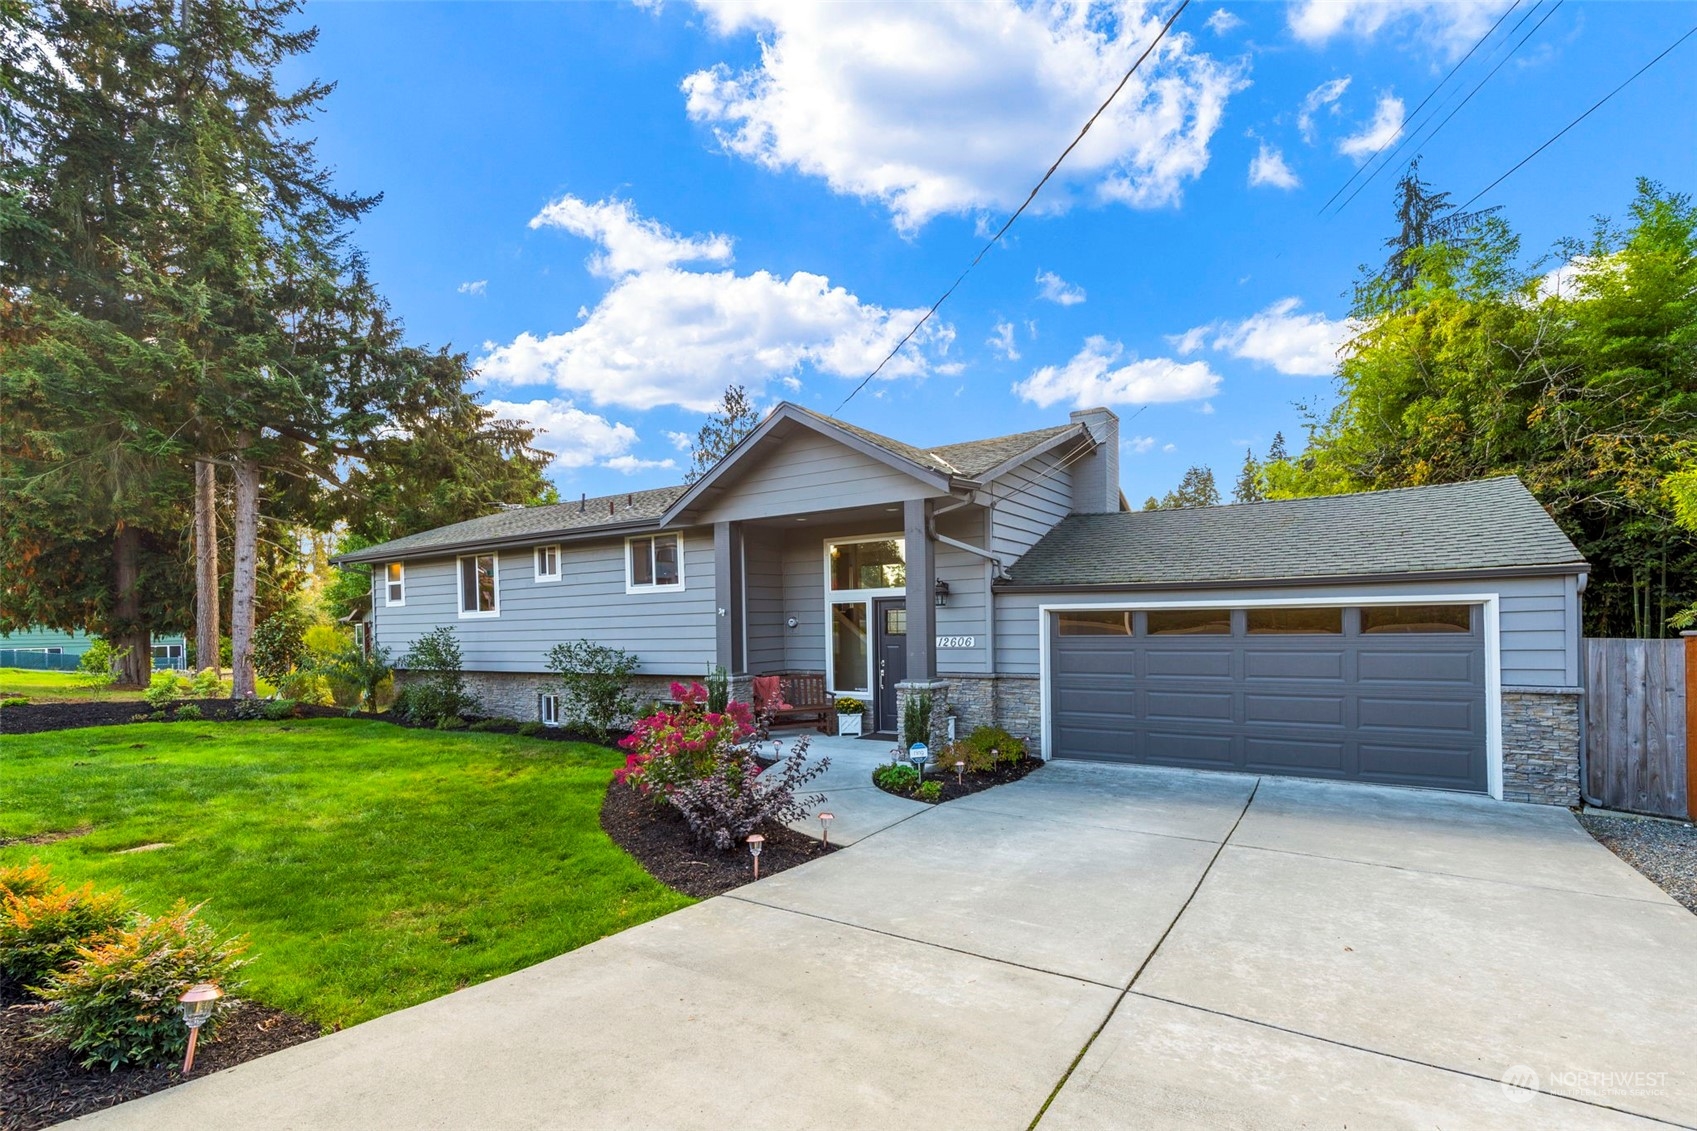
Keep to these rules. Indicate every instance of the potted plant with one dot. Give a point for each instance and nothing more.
(848, 715)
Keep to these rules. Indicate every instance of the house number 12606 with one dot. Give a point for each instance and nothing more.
(957, 641)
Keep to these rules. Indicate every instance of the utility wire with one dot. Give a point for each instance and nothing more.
(1477, 87)
(1594, 106)
(1429, 95)
(1032, 195)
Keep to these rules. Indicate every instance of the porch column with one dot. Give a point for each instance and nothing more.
(921, 598)
(728, 650)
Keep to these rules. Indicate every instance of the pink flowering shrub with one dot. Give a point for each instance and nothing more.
(701, 763)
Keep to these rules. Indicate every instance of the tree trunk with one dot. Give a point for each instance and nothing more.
(205, 565)
(244, 581)
(129, 638)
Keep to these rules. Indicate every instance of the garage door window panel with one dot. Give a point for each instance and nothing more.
(1092, 623)
(1188, 622)
(1422, 619)
(1296, 622)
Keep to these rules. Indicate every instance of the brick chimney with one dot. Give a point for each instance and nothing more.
(1096, 477)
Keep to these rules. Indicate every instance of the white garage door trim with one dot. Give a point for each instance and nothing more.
(1488, 603)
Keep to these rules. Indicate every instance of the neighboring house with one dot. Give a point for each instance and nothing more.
(51, 650)
(1427, 636)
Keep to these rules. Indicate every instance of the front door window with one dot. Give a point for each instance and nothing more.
(858, 571)
(849, 646)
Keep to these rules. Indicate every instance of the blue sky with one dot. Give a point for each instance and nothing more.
(619, 208)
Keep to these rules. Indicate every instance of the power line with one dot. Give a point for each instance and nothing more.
(1476, 89)
(1665, 53)
(1032, 195)
(1429, 94)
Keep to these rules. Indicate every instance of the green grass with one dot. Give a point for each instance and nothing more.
(57, 687)
(371, 867)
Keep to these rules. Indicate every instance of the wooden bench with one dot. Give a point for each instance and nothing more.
(801, 698)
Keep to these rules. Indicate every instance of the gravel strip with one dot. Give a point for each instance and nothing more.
(1665, 851)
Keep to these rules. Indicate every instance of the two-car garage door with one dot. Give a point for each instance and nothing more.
(1390, 693)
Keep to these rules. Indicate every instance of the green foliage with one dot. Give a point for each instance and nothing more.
(531, 729)
(41, 933)
(849, 706)
(96, 664)
(279, 642)
(734, 418)
(594, 685)
(896, 777)
(496, 725)
(435, 688)
(1196, 489)
(985, 749)
(364, 673)
(1681, 488)
(26, 881)
(205, 684)
(276, 710)
(117, 1006)
(916, 719)
(1248, 489)
(248, 709)
(450, 722)
(189, 713)
(1469, 364)
(718, 688)
(14, 701)
(162, 690)
(929, 792)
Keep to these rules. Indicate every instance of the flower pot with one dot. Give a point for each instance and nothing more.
(848, 725)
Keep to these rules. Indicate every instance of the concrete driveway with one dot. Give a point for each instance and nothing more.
(1092, 947)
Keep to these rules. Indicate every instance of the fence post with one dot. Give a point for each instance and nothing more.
(1690, 724)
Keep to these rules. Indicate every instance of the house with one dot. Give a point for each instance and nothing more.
(48, 649)
(1428, 636)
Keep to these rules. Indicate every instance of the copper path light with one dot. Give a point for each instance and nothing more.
(197, 1003)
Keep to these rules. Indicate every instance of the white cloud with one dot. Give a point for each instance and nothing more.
(1169, 447)
(1450, 24)
(1324, 95)
(1091, 378)
(1190, 341)
(1223, 21)
(577, 438)
(1053, 288)
(937, 109)
(663, 335)
(1138, 445)
(1380, 132)
(682, 441)
(476, 288)
(1268, 167)
(630, 465)
(1293, 343)
(629, 242)
(1002, 341)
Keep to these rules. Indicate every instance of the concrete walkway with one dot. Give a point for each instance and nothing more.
(1091, 947)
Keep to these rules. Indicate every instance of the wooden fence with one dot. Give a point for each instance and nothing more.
(1638, 695)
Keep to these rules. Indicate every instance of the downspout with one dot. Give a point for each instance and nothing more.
(931, 531)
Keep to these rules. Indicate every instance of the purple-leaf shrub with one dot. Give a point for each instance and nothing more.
(731, 800)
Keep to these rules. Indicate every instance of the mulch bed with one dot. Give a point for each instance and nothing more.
(1665, 851)
(659, 839)
(973, 781)
(40, 1084)
(34, 718)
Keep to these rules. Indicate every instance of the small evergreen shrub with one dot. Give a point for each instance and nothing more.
(985, 749)
(161, 690)
(718, 689)
(278, 643)
(897, 777)
(276, 710)
(117, 1005)
(929, 792)
(595, 685)
(41, 933)
(25, 880)
(916, 719)
(206, 684)
(189, 713)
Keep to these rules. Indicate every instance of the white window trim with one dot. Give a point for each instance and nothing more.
(384, 581)
(536, 561)
(459, 586)
(631, 587)
(1490, 611)
(543, 701)
(850, 597)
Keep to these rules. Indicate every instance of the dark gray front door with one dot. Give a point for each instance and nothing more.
(1403, 707)
(889, 631)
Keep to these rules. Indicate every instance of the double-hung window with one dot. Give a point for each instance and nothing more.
(653, 562)
(547, 563)
(395, 584)
(479, 596)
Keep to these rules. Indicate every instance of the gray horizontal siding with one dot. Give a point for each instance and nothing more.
(813, 473)
(1539, 620)
(1029, 501)
(765, 609)
(672, 633)
(968, 610)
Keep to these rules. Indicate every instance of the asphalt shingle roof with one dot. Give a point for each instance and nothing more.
(1485, 524)
(968, 459)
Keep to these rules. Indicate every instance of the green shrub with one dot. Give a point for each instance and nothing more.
(15, 701)
(41, 933)
(248, 708)
(161, 690)
(189, 713)
(450, 722)
(276, 710)
(984, 749)
(595, 689)
(929, 792)
(364, 675)
(278, 642)
(117, 1005)
(95, 667)
(916, 719)
(490, 725)
(435, 687)
(531, 729)
(897, 777)
(205, 684)
(305, 685)
(25, 880)
(718, 688)
(847, 706)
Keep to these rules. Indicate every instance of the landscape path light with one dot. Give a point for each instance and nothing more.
(197, 1003)
(755, 843)
(825, 820)
(960, 773)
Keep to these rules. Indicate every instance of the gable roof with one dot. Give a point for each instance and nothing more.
(1484, 525)
(968, 459)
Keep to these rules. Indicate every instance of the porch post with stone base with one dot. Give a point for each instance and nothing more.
(922, 622)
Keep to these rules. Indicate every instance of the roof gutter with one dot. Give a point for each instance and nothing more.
(1563, 570)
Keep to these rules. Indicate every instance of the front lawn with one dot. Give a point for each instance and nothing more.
(371, 867)
(57, 687)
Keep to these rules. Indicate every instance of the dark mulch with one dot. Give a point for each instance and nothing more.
(973, 781)
(41, 1085)
(659, 839)
(33, 718)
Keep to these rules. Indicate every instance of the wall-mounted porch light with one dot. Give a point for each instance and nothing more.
(942, 591)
